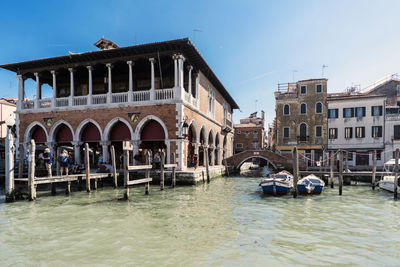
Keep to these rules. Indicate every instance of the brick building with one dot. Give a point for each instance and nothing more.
(301, 118)
(250, 133)
(147, 94)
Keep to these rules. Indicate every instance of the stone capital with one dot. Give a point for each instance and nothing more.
(109, 65)
(130, 63)
(190, 68)
(71, 70)
(152, 59)
(53, 72)
(90, 68)
(36, 74)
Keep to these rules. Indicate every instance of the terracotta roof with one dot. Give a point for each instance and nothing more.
(246, 125)
(184, 46)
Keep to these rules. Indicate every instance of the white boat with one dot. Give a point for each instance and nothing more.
(277, 184)
(387, 182)
(310, 184)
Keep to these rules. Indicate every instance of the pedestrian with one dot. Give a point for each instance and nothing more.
(63, 160)
(48, 161)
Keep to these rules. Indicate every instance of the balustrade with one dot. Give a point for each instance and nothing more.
(141, 96)
(62, 102)
(80, 100)
(99, 99)
(165, 94)
(120, 97)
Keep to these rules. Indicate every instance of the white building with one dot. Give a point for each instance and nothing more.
(392, 131)
(356, 123)
(7, 109)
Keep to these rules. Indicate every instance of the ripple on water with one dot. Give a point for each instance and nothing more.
(227, 222)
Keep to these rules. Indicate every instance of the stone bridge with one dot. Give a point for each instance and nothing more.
(276, 161)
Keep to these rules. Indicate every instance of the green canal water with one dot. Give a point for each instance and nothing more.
(228, 222)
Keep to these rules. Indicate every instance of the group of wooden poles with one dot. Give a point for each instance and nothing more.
(340, 173)
(33, 181)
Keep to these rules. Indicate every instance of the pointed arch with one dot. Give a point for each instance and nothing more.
(111, 123)
(203, 135)
(211, 138)
(82, 125)
(143, 122)
(27, 135)
(54, 128)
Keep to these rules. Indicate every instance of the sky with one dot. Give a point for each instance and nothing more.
(250, 45)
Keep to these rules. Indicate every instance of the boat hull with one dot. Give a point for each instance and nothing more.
(302, 189)
(388, 186)
(275, 188)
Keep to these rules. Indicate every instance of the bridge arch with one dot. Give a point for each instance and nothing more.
(259, 157)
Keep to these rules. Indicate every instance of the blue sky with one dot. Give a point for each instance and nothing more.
(251, 45)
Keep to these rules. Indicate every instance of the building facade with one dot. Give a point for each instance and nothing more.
(146, 94)
(250, 133)
(356, 124)
(301, 118)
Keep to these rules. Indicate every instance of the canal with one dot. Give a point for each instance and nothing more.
(227, 222)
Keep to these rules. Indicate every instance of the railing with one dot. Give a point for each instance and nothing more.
(287, 87)
(62, 102)
(194, 101)
(187, 97)
(80, 100)
(164, 94)
(45, 103)
(141, 96)
(119, 97)
(29, 104)
(381, 81)
(99, 99)
(392, 117)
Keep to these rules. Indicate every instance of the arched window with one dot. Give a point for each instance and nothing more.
(303, 108)
(318, 108)
(303, 132)
(286, 109)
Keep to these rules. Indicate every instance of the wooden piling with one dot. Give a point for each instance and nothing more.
(126, 173)
(396, 174)
(332, 162)
(31, 171)
(373, 170)
(173, 171)
(347, 162)
(320, 168)
(87, 167)
(162, 170)
(227, 169)
(340, 171)
(9, 167)
(68, 190)
(207, 166)
(147, 174)
(58, 152)
(295, 171)
(114, 165)
(21, 162)
(202, 174)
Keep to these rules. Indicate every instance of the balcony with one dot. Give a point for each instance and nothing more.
(227, 126)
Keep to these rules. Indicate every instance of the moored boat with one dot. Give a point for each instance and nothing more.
(277, 184)
(387, 182)
(310, 184)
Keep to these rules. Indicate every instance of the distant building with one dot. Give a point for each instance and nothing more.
(356, 123)
(250, 133)
(7, 109)
(301, 118)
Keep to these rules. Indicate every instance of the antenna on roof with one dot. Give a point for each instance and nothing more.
(293, 71)
(323, 67)
(194, 34)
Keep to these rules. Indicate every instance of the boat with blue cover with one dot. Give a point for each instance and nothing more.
(277, 184)
(310, 184)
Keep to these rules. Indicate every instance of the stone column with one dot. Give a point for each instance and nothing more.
(212, 158)
(152, 92)
(72, 87)
(53, 101)
(175, 58)
(77, 151)
(219, 160)
(105, 145)
(20, 105)
(197, 89)
(181, 59)
(90, 83)
(9, 165)
(205, 154)
(135, 144)
(38, 95)
(168, 150)
(130, 92)
(190, 68)
(109, 95)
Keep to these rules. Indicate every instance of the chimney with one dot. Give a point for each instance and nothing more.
(262, 114)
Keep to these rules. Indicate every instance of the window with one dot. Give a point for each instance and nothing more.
(239, 145)
(398, 89)
(333, 113)
(318, 108)
(348, 132)
(396, 131)
(255, 134)
(376, 111)
(303, 108)
(360, 112)
(348, 112)
(255, 145)
(303, 132)
(318, 131)
(376, 131)
(286, 109)
(378, 155)
(303, 89)
(360, 132)
(211, 101)
(285, 132)
(332, 133)
(319, 88)
(247, 134)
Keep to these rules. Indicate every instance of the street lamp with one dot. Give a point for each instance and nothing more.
(185, 130)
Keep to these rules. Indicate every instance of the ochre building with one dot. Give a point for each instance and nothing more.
(159, 96)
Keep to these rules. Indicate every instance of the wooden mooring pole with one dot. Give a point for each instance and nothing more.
(9, 151)
(340, 171)
(373, 170)
(332, 162)
(173, 170)
(162, 173)
(126, 173)
(114, 165)
(396, 174)
(295, 171)
(21, 162)
(207, 165)
(320, 168)
(227, 169)
(87, 167)
(31, 171)
(147, 174)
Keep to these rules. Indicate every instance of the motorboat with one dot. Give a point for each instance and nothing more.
(310, 184)
(277, 184)
(387, 182)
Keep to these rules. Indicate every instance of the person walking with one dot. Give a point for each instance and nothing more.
(48, 161)
(63, 160)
